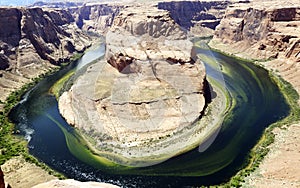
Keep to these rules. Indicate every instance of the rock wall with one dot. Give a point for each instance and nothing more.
(267, 30)
(95, 17)
(261, 32)
(30, 38)
(200, 17)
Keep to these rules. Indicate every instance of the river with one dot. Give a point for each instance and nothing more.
(257, 103)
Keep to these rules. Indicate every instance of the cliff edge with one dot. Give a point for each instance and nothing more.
(148, 91)
(268, 31)
(32, 40)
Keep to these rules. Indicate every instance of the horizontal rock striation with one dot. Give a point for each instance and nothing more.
(150, 89)
(95, 18)
(266, 30)
(30, 38)
(200, 17)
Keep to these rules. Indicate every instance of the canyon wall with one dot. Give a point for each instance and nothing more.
(200, 17)
(263, 31)
(32, 40)
(95, 17)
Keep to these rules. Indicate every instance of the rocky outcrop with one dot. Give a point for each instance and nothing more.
(95, 17)
(262, 31)
(151, 88)
(200, 17)
(266, 30)
(74, 184)
(30, 38)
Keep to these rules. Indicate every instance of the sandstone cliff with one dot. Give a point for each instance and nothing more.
(30, 38)
(150, 89)
(95, 17)
(200, 17)
(267, 30)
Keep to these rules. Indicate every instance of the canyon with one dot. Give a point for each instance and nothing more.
(150, 89)
(36, 40)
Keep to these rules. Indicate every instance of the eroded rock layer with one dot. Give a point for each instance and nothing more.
(266, 30)
(32, 40)
(150, 88)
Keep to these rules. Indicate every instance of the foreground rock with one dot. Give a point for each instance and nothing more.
(20, 173)
(74, 184)
(150, 91)
(32, 40)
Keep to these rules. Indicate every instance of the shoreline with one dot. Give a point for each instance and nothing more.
(259, 154)
(192, 132)
(18, 161)
(244, 168)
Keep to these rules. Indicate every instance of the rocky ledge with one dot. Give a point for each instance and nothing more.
(268, 31)
(74, 184)
(32, 40)
(150, 88)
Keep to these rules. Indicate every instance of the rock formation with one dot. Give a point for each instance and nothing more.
(95, 17)
(74, 184)
(30, 38)
(151, 89)
(266, 30)
(200, 17)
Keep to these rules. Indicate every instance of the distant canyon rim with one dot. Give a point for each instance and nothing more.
(35, 40)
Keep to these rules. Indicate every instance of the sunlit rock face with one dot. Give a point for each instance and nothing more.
(262, 30)
(149, 87)
(74, 184)
(32, 40)
(95, 17)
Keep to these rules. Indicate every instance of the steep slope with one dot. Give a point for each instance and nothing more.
(200, 17)
(95, 17)
(32, 40)
(267, 30)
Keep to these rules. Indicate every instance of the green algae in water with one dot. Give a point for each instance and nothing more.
(256, 103)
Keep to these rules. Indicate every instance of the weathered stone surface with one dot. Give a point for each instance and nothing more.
(261, 30)
(74, 184)
(95, 17)
(150, 88)
(30, 38)
(268, 30)
(200, 17)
